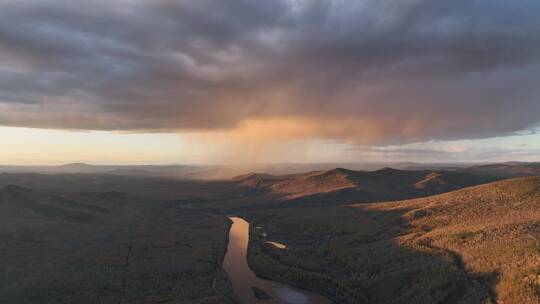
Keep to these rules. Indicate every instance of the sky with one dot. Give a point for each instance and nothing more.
(266, 81)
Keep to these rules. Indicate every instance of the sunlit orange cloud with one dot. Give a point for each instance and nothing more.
(282, 139)
(358, 131)
(294, 139)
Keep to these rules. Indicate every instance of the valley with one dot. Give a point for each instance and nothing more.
(444, 237)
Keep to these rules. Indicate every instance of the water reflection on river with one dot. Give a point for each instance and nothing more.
(243, 278)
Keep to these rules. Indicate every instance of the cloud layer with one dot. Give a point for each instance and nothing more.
(365, 71)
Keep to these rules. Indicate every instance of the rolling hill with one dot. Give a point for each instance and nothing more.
(339, 186)
(21, 202)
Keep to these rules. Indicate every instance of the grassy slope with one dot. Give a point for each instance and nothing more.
(476, 245)
(495, 229)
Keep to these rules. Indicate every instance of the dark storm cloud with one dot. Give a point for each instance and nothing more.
(370, 71)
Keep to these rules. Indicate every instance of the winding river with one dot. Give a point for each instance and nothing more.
(244, 279)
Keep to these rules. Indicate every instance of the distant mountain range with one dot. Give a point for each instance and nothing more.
(225, 172)
(131, 170)
(506, 170)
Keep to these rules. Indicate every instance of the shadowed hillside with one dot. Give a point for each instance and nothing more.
(16, 201)
(475, 245)
(92, 244)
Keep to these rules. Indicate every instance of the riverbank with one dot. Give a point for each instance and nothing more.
(245, 281)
